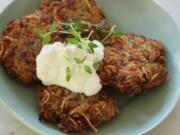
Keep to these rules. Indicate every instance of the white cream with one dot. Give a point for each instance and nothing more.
(53, 60)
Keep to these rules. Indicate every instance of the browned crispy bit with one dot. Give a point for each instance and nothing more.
(86, 10)
(75, 112)
(133, 64)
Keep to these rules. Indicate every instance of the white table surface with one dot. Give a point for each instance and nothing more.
(171, 126)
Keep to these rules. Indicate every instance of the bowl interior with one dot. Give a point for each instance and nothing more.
(137, 115)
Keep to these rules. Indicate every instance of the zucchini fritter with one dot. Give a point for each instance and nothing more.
(133, 64)
(20, 46)
(75, 112)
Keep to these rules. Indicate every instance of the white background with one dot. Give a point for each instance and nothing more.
(171, 126)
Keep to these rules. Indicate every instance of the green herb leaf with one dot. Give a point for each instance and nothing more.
(103, 30)
(72, 40)
(115, 31)
(79, 61)
(76, 34)
(53, 27)
(67, 28)
(40, 33)
(91, 46)
(68, 74)
(46, 38)
(118, 33)
(73, 31)
(78, 26)
(96, 65)
(87, 69)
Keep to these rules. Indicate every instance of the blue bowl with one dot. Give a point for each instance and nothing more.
(137, 115)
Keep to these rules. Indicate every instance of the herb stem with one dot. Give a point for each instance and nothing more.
(63, 23)
(72, 23)
(90, 34)
(90, 24)
(63, 32)
(110, 33)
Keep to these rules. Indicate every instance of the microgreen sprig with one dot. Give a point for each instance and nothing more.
(74, 30)
(46, 37)
(113, 30)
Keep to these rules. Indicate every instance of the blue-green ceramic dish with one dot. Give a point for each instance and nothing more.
(137, 115)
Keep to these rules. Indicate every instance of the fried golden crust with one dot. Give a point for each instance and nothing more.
(133, 64)
(75, 112)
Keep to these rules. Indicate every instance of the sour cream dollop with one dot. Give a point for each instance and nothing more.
(53, 60)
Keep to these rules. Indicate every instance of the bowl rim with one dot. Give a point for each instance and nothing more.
(143, 131)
